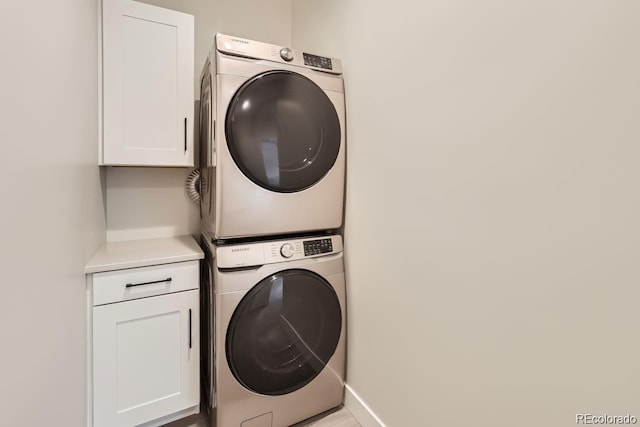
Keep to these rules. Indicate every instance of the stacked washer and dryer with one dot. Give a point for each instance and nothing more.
(272, 166)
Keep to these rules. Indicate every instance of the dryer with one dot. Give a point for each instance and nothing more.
(278, 347)
(272, 140)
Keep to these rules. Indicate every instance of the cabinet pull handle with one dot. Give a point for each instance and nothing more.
(189, 328)
(185, 135)
(131, 285)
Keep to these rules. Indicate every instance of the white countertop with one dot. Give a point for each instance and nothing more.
(142, 253)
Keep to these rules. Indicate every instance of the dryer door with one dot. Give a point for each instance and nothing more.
(283, 131)
(206, 142)
(283, 332)
(206, 122)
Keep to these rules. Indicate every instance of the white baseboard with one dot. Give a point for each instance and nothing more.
(360, 410)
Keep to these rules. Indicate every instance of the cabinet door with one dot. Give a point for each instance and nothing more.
(148, 101)
(146, 359)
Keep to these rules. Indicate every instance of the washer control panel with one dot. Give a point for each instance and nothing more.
(316, 247)
(287, 250)
(253, 254)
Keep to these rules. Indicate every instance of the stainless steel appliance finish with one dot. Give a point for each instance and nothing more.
(278, 330)
(272, 140)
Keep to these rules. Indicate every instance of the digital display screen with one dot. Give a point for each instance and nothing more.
(315, 247)
(317, 61)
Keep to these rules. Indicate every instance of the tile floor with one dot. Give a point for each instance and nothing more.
(339, 417)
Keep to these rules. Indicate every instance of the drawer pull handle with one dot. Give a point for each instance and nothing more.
(189, 328)
(131, 285)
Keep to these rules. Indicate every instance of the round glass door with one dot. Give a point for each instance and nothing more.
(282, 131)
(283, 332)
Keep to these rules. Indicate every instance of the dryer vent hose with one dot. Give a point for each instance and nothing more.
(192, 186)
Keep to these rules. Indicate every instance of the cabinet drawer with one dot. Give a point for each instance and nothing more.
(134, 283)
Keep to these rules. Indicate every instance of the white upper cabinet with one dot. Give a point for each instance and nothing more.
(148, 96)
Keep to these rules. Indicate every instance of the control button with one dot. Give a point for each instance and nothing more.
(286, 250)
(286, 54)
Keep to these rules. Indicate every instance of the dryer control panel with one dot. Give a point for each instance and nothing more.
(317, 61)
(246, 48)
(260, 253)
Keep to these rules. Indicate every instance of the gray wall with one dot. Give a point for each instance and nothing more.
(151, 202)
(492, 211)
(52, 216)
(53, 213)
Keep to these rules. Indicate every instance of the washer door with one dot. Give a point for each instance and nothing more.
(282, 131)
(283, 332)
(206, 322)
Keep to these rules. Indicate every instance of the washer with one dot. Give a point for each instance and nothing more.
(272, 140)
(278, 347)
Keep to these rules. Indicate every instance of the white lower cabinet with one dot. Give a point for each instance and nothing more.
(146, 351)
